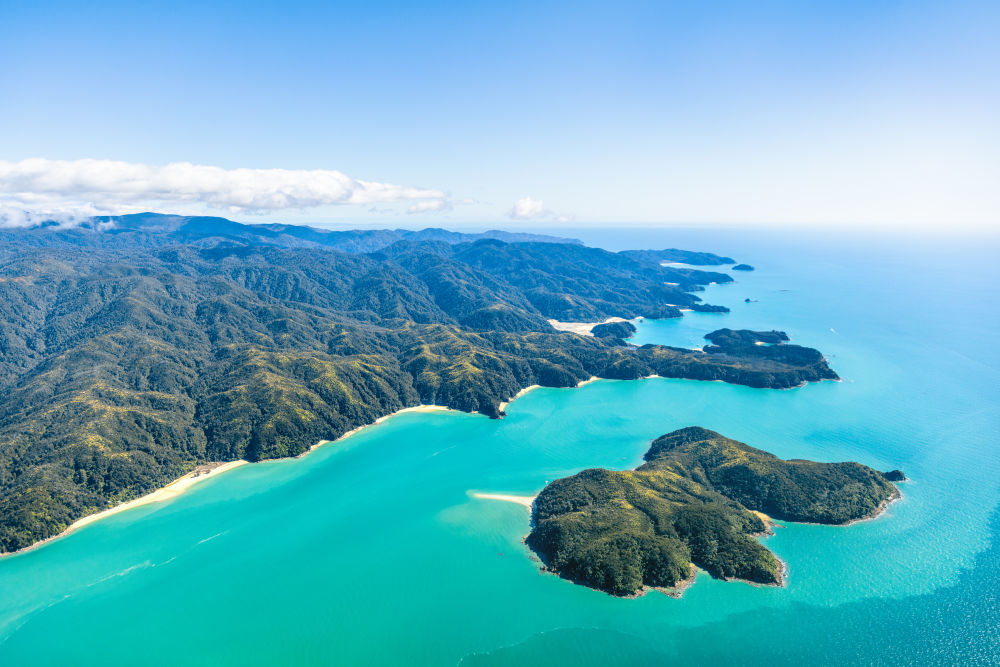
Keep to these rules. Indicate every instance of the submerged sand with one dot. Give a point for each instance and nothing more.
(527, 501)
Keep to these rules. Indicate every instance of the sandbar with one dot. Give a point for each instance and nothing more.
(527, 501)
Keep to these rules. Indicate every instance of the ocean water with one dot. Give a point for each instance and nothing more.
(373, 551)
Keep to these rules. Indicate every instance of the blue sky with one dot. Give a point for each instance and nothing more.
(711, 113)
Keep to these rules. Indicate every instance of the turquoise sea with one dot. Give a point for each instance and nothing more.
(372, 551)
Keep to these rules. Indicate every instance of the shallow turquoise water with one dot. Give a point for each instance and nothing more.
(372, 551)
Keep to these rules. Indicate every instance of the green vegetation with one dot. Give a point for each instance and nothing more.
(619, 330)
(692, 501)
(129, 356)
(761, 347)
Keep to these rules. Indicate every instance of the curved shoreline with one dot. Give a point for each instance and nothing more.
(519, 394)
(168, 492)
(200, 473)
(203, 471)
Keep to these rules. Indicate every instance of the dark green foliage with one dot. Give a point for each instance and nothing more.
(731, 338)
(767, 346)
(128, 358)
(691, 502)
(619, 330)
(708, 308)
(580, 284)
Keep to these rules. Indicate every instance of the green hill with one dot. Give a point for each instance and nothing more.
(692, 502)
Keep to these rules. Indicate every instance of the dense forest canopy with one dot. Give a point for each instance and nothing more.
(134, 348)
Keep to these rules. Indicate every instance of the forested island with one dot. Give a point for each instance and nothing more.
(619, 330)
(134, 348)
(695, 501)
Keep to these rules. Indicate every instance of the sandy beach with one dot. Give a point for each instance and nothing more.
(355, 431)
(504, 404)
(582, 328)
(201, 473)
(171, 490)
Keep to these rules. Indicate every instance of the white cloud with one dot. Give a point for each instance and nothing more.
(64, 216)
(528, 208)
(107, 185)
(431, 206)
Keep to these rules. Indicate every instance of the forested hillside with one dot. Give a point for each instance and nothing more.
(692, 501)
(127, 358)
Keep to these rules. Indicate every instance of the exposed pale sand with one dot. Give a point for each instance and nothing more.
(527, 501)
(504, 404)
(171, 490)
(354, 431)
(593, 378)
(582, 328)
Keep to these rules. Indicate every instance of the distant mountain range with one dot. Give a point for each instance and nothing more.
(150, 229)
(157, 228)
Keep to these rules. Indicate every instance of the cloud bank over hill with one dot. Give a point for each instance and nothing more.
(67, 188)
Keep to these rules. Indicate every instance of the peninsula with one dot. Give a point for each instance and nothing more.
(699, 499)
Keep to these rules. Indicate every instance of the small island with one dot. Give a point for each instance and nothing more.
(619, 330)
(700, 499)
(742, 267)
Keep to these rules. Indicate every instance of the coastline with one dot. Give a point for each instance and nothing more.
(871, 516)
(171, 490)
(504, 404)
(379, 420)
(677, 590)
(881, 509)
(200, 473)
